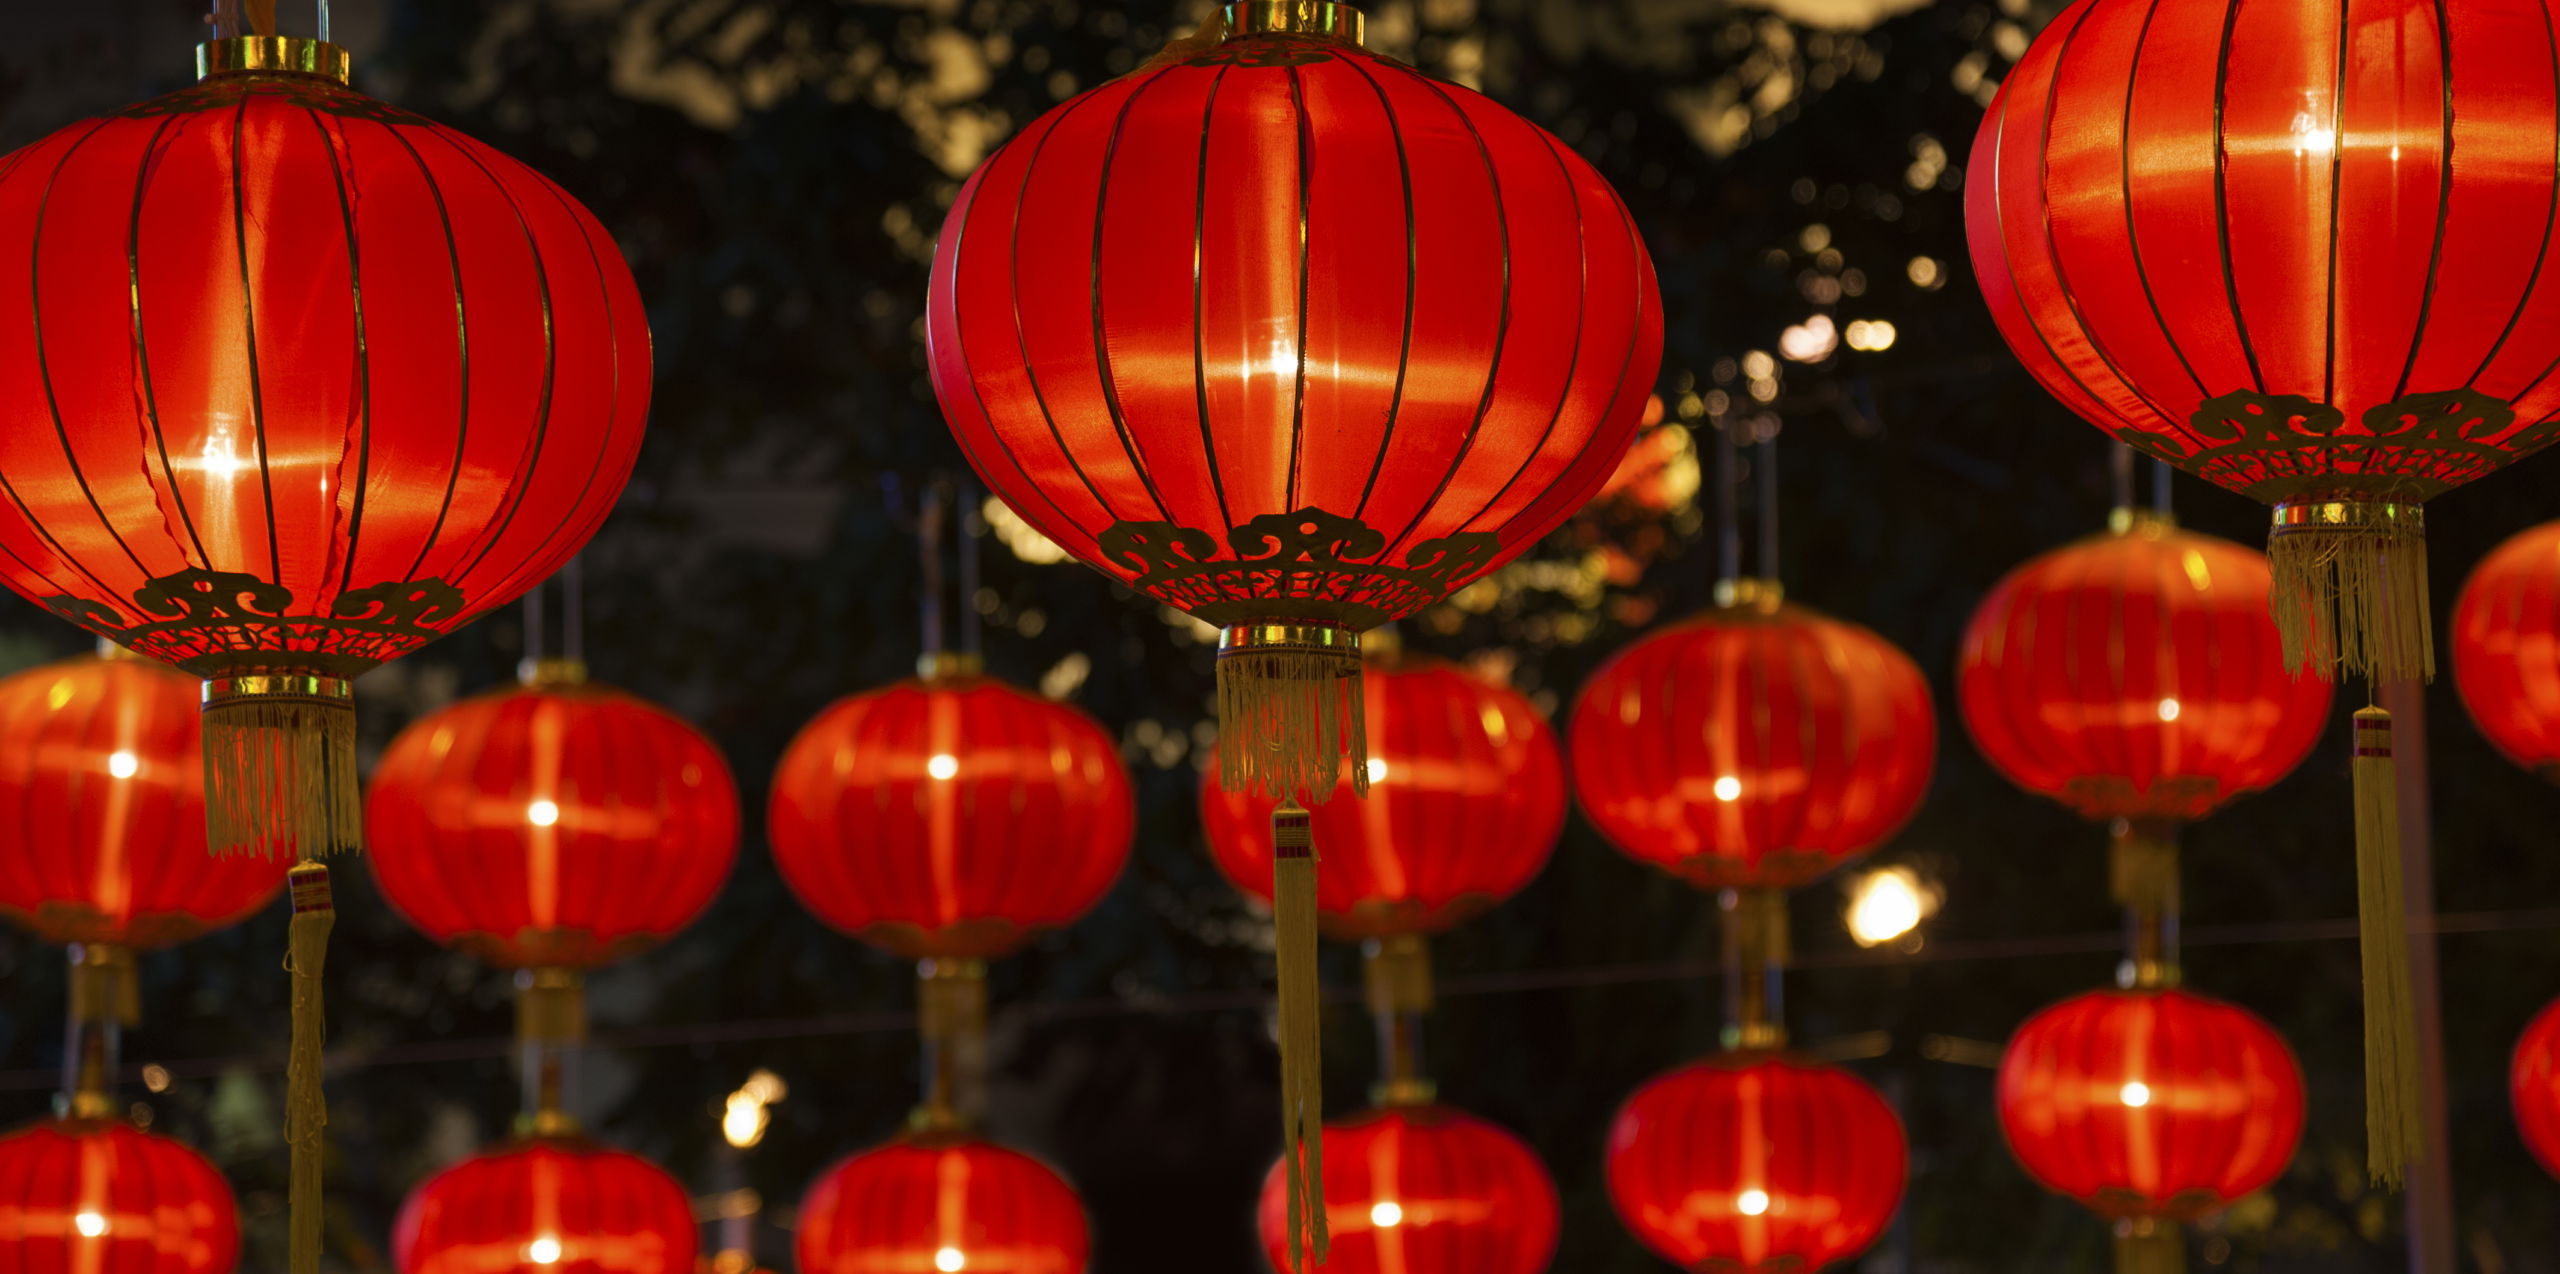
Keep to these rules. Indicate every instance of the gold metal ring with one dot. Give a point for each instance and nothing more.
(310, 687)
(1307, 638)
(1744, 592)
(1319, 18)
(271, 55)
(938, 665)
(2350, 513)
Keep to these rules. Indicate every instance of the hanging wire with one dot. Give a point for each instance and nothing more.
(1769, 504)
(1728, 503)
(2161, 472)
(973, 534)
(534, 635)
(2120, 467)
(324, 21)
(929, 548)
(573, 607)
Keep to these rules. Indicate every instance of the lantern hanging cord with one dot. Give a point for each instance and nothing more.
(929, 565)
(2120, 470)
(1769, 504)
(573, 610)
(1728, 503)
(973, 535)
(535, 639)
(233, 19)
(2160, 486)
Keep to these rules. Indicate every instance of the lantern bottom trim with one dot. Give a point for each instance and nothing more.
(280, 765)
(2350, 591)
(1291, 714)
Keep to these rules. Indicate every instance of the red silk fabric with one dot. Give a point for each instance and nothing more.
(2534, 1086)
(2341, 211)
(591, 1209)
(1753, 746)
(97, 1197)
(2162, 1104)
(102, 784)
(557, 826)
(952, 816)
(1424, 1190)
(1288, 275)
(1757, 1164)
(2136, 674)
(1466, 799)
(299, 379)
(2506, 648)
(940, 1201)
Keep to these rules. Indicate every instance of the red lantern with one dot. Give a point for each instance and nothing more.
(950, 816)
(2506, 648)
(1756, 1163)
(2159, 1105)
(2534, 1084)
(2277, 271)
(79, 1196)
(939, 1202)
(1758, 745)
(1465, 802)
(102, 778)
(307, 381)
(2135, 675)
(547, 1206)
(558, 824)
(1425, 1190)
(1296, 339)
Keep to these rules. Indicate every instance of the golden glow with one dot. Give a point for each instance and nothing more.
(1386, 1214)
(1870, 335)
(1728, 788)
(2135, 1094)
(1886, 904)
(123, 765)
(544, 1250)
(1752, 1202)
(2168, 709)
(949, 1258)
(943, 765)
(1377, 769)
(744, 1117)
(542, 813)
(91, 1224)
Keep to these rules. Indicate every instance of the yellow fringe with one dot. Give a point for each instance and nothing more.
(2150, 1247)
(1301, 1044)
(280, 777)
(2394, 1134)
(306, 1104)
(1290, 722)
(2353, 600)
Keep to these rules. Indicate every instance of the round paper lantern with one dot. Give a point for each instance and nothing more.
(559, 823)
(1466, 799)
(2506, 648)
(303, 382)
(102, 784)
(547, 1206)
(942, 1202)
(2158, 1104)
(1295, 339)
(950, 816)
(86, 1195)
(1760, 744)
(1756, 1163)
(1425, 1190)
(2135, 675)
(2534, 1084)
(2261, 243)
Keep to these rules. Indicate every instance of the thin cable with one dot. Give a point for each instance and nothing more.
(573, 606)
(324, 21)
(1769, 504)
(929, 549)
(2120, 466)
(2161, 472)
(973, 534)
(1728, 504)
(534, 621)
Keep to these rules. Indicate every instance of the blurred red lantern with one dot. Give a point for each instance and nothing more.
(102, 780)
(942, 1201)
(1425, 1190)
(1465, 802)
(1756, 1163)
(309, 381)
(2534, 1085)
(2273, 270)
(2150, 1104)
(559, 823)
(80, 1196)
(2135, 675)
(1296, 339)
(2506, 648)
(547, 1206)
(950, 816)
(1760, 744)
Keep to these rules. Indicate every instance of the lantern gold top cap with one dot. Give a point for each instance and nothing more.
(1321, 19)
(271, 55)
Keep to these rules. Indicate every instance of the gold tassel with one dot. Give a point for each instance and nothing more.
(280, 766)
(2394, 1135)
(1293, 909)
(103, 985)
(2350, 589)
(1291, 715)
(2148, 1246)
(306, 1105)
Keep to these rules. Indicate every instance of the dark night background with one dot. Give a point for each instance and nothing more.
(775, 170)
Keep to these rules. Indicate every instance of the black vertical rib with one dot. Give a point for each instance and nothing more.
(2222, 193)
(1022, 340)
(1102, 347)
(957, 227)
(2337, 191)
(1412, 263)
(2444, 199)
(44, 366)
(2533, 280)
(1581, 318)
(364, 358)
(141, 345)
(1199, 334)
(2133, 242)
(1306, 182)
(249, 327)
(1618, 387)
(461, 342)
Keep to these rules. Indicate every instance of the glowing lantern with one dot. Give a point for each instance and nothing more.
(85, 1195)
(942, 1202)
(547, 1206)
(1425, 1190)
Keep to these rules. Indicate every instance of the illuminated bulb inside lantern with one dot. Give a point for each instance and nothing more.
(542, 813)
(90, 1223)
(949, 1258)
(1886, 904)
(2315, 141)
(2135, 1094)
(2168, 709)
(1752, 1202)
(544, 1250)
(1728, 788)
(123, 765)
(1386, 1214)
(1377, 769)
(943, 766)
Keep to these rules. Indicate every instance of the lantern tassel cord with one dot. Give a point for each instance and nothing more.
(1301, 1043)
(2394, 1137)
(1208, 35)
(2150, 1247)
(306, 1105)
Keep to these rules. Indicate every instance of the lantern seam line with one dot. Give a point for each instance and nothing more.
(142, 345)
(2133, 242)
(363, 352)
(44, 368)
(1573, 363)
(964, 209)
(2337, 189)
(2444, 198)
(1199, 330)
(1021, 336)
(249, 345)
(1306, 197)
(1101, 347)
(461, 342)
(2541, 255)
(2222, 191)
(1412, 262)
